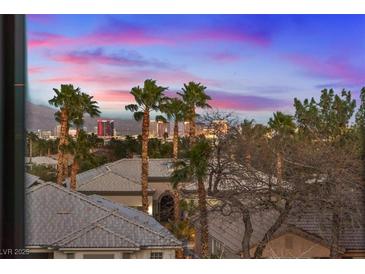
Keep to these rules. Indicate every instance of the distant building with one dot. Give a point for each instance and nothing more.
(105, 128)
(57, 131)
(44, 134)
(186, 128)
(158, 129)
(72, 132)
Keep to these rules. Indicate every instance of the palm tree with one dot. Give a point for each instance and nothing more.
(196, 169)
(194, 96)
(32, 137)
(250, 133)
(80, 148)
(282, 126)
(148, 98)
(175, 109)
(87, 105)
(65, 99)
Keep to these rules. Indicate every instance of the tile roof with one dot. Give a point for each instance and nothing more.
(41, 160)
(131, 213)
(60, 218)
(31, 180)
(109, 181)
(230, 229)
(122, 175)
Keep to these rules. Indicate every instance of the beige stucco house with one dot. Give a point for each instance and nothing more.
(67, 224)
(302, 236)
(120, 181)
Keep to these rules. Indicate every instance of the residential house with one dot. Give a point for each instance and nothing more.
(120, 181)
(66, 224)
(304, 236)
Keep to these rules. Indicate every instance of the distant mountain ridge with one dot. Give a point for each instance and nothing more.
(42, 117)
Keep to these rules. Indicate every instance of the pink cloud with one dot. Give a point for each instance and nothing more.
(116, 32)
(45, 39)
(113, 96)
(231, 35)
(34, 70)
(41, 18)
(98, 56)
(335, 68)
(239, 102)
(224, 57)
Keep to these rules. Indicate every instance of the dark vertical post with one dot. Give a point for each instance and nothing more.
(12, 94)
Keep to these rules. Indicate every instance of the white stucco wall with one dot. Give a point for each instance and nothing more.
(140, 254)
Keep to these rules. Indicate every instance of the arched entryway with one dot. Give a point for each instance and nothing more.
(166, 207)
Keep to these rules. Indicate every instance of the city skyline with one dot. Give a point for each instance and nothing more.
(252, 65)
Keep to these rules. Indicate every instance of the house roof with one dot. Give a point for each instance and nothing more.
(108, 182)
(230, 229)
(31, 180)
(132, 213)
(59, 218)
(41, 160)
(122, 175)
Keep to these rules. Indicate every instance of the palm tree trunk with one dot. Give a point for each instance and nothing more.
(247, 235)
(144, 176)
(175, 141)
(270, 233)
(62, 142)
(176, 193)
(203, 219)
(75, 167)
(192, 127)
(74, 170)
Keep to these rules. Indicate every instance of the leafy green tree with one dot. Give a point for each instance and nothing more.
(327, 125)
(148, 98)
(360, 124)
(194, 95)
(195, 168)
(327, 118)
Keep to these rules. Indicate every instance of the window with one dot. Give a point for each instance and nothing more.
(217, 248)
(70, 256)
(156, 255)
(98, 256)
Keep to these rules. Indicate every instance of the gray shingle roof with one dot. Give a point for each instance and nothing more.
(41, 160)
(132, 214)
(31, 180)
(122, 175)
(57, 217)
(109, 181)
(230, 229)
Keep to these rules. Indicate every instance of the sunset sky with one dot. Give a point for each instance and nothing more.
(252, 65)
